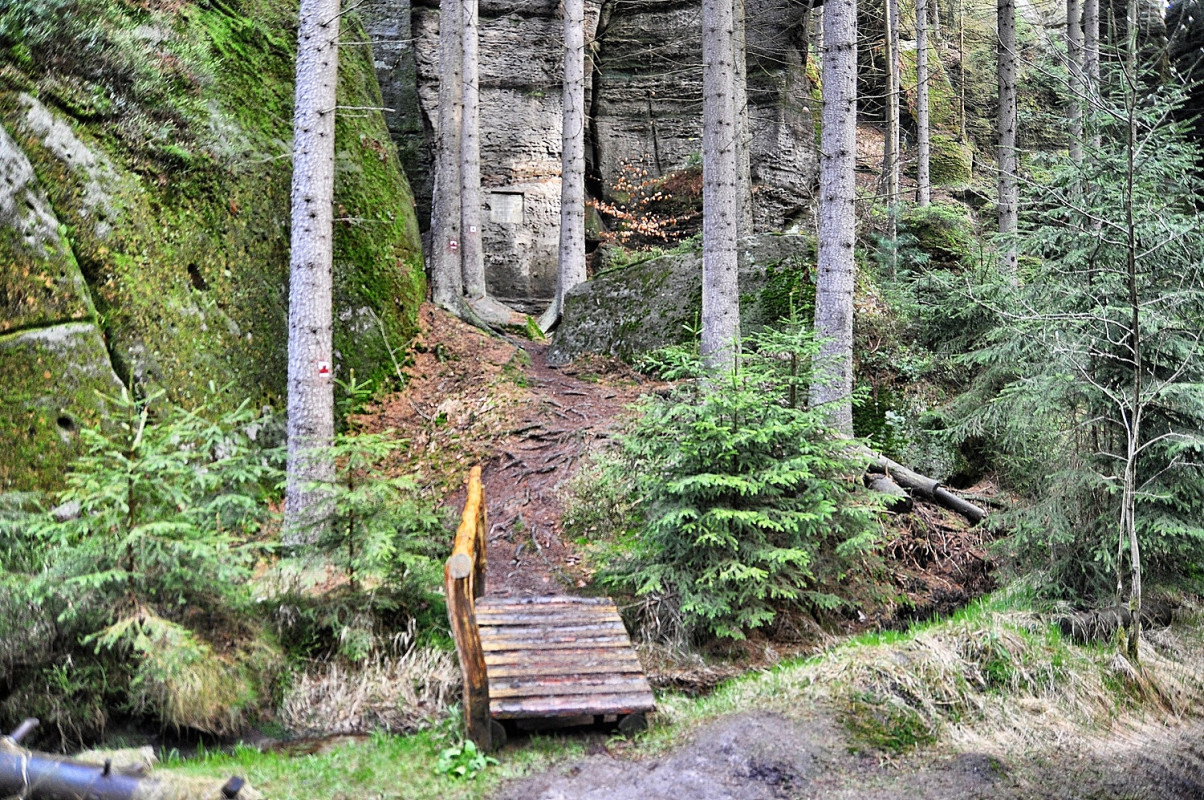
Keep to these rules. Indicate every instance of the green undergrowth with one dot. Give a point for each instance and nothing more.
(990, 673)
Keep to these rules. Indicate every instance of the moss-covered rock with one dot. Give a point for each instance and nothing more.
(942, 231)
(951, 163)
(638, 307)
(159, 135)
(56, 379)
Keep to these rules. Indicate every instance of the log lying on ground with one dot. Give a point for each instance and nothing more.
(1100, 624)
(928, 488)
(883, 484)
(40, 776)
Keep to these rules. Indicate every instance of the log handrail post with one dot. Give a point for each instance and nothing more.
(464, 581)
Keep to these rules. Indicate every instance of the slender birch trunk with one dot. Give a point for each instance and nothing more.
(833, 384)
(472, 257)
(310, 348)
(923, 137)
(1009, 198)
(934, 18)
(571, 265)
(1132, 87)
(720, 206)
(447, 281)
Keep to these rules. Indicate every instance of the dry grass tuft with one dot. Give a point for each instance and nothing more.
(401, 688)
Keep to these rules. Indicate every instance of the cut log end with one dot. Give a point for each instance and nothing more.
(459, 566)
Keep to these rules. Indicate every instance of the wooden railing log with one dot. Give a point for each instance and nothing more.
(464, 581)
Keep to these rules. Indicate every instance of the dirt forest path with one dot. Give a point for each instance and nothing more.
(475, 398)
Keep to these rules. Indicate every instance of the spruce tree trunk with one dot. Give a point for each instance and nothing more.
(890, 144)
(744, 134)
(447, 281)
(1009, 195)
(1091, 68)
(720, 204)
(571, 265)
(833, 383)
(934, 18)
(310, 348)
(961, 55)
(1074, 69)
(471, 255)
(923, 138)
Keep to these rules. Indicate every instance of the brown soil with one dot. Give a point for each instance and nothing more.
(475, 398)
(471, 397)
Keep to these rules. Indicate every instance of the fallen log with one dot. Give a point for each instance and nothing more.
(39, 776)
(1101, 624)
(900, 501)
(928, 488)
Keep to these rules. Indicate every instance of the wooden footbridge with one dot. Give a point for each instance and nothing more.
(536, 658)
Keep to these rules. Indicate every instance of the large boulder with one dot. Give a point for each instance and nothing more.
(636, 308)
(146, 157)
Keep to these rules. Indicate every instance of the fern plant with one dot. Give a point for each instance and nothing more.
(749, 502)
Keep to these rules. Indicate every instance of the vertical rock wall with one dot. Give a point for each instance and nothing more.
(644, 98)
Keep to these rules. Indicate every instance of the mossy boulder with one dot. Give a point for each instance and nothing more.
(159, 140)
(942, 231)
(950, 162)
(634, 308)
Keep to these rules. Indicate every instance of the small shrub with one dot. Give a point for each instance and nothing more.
(750, 503)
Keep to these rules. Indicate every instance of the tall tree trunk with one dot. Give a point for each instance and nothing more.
(720, 206)
(310, 348)
(1009, 194)
(1074, 70)
(571, 266)
(890, 144)
(471, 255)
(447, 281)
(934, 18)
(1091, 73)
(961, 56)
(743, 131)
(1132, 89)
(923, 139)
(833, 383)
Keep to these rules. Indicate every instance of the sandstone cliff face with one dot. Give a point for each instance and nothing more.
(644, 98)
(145, 209)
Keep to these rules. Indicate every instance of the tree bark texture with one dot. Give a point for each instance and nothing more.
(720, 206)
(471, 255)
(923, 137)
(1091, 73)
(310, 348)
(890, 144)
(1074, 71)
(447, 282)
(744, 133)
(833, 384)
(1009, 195)
(571, 266)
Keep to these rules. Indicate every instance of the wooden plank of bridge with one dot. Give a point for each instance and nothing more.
(540, 657)
(559, 657)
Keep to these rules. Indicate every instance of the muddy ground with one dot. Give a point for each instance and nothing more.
(766, 756)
